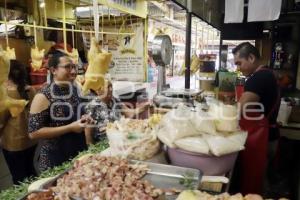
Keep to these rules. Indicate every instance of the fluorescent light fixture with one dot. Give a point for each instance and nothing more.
(82, 9)
(266, 31)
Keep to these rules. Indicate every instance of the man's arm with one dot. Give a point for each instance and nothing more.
(248, 97)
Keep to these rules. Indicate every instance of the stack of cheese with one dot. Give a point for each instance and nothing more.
(215, 132)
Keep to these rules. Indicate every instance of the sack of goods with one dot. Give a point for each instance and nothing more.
(214, 132)
(132, 138)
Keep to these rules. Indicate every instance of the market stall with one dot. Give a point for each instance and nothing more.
(186, 147)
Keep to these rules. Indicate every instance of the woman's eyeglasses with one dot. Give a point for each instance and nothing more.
(69, 66)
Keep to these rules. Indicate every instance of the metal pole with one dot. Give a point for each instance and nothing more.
(220, 53)
(188, 49)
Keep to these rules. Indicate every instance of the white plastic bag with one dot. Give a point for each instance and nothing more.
(220, 145)
(118, 143)
(131, 138)
(284, 112)
(203, 122)
(164, 136)
(178, 123)
(225, 117)
(193, 144)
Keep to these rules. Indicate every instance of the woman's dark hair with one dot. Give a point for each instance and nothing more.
(18, 75)
(54, 58)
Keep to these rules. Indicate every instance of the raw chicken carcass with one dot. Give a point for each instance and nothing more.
(37, 58)
(9, 53)
(15, 106)
(98, 65)
(74, 55)
(195, 63)
(94, 49)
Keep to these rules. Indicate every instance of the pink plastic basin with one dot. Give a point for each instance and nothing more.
(209, 165)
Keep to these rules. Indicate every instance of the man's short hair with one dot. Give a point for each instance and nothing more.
(54, 58)
(245, 49)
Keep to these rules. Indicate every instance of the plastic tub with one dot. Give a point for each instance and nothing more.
(209, 165)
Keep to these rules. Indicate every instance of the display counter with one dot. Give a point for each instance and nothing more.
(290, 131)
(17, 191)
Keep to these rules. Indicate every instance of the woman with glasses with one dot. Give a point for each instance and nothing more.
(55, 115)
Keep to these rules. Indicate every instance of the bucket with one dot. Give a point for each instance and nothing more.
(208, 164)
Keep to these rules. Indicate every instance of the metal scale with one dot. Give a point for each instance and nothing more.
(167, 97)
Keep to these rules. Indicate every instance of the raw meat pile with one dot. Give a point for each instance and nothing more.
(110, 178)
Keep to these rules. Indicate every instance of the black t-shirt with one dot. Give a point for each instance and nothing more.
(264, 84)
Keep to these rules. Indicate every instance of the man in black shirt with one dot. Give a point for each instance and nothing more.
(261, 93)
(261, 84)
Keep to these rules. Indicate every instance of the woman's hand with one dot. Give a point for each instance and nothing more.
(102, 129)
(79, 125)
(88, 119)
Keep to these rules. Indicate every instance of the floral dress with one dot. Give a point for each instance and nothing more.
(103, 113)
(64, 109)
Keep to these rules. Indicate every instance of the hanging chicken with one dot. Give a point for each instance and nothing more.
(98, 65)
(15, 106)
(74, 55)
(9, 53)
(195, 64)
(194, 67)
(37, 58)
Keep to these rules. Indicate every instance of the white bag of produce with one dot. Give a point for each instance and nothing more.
(225, 117)
(203, 122)
(193, 144)
(164, 136)
(221, 145)
(118, 143)
(132, 138)
(178, 123)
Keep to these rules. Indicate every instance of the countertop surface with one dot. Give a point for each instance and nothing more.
(291, 125)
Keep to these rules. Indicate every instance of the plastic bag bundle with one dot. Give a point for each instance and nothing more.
(203, 122)
(176, 124)
(132, 139)
(193, 144)
(222, 145)
(225, 117)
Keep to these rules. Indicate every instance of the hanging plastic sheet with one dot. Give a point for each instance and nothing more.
(266, 10)
(234, 11)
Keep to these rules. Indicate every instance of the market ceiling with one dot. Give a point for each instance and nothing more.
(208, 10)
